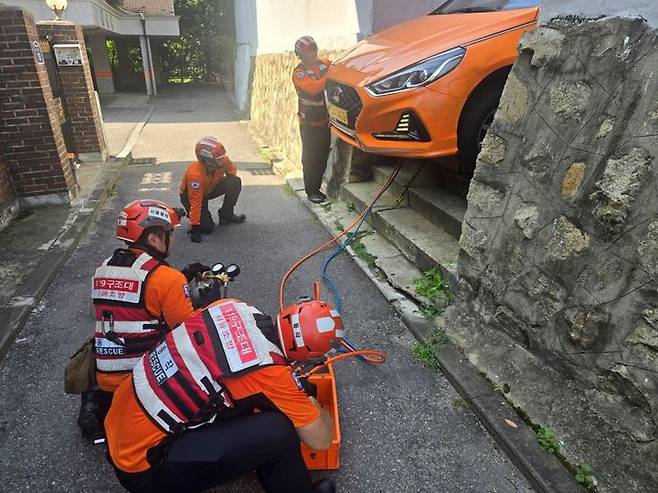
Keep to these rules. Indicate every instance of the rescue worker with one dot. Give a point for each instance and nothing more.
(137, 297)
(309, 78)
(186, 419)
(211, 175)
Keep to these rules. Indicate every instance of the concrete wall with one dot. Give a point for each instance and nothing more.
(265, 27)
(559, 247)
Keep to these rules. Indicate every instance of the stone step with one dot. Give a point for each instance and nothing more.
(439, 205)
(425, 244)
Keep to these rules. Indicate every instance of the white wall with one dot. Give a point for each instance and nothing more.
(273, 26)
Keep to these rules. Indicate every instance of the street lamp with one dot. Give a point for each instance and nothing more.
(57, 6)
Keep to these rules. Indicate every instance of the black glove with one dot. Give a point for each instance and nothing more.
(309, 387)
(190, 271)
(195, 234)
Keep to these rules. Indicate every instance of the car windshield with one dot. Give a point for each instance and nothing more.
(460, 6)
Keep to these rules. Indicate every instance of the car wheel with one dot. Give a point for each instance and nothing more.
(474, 123)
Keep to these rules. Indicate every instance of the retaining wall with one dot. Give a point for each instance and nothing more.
(559, 250)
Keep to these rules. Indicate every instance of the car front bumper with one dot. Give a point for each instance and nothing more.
(370, 122)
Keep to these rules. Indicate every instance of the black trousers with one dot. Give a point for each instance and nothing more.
(216, 454)
(230, 187)
(316, 141)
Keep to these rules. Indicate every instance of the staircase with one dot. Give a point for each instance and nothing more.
(420, 213)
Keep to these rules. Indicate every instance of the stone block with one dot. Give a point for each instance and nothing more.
(615, 192)
(572, 180)
(566, 240)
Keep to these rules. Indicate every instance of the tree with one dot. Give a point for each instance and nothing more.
(205, 49)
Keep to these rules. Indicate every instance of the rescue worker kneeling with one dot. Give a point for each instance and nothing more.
(212, 175)
(186, 420)
(137, 296)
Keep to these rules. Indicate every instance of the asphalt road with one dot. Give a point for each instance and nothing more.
(402, 427)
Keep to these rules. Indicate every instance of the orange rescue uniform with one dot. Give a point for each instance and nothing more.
(197, 183)
(131, 433)
(165, 298)
(309, 84)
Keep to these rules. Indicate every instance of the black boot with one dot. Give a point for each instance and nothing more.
(88, 422)
(227, 216)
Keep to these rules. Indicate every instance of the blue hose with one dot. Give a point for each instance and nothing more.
(330, 282)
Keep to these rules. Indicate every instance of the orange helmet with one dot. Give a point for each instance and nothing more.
(308, 329)
(305, 46)
(142, 214)
(209, 151)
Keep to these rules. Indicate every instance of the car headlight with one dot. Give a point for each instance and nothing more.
(419, 74)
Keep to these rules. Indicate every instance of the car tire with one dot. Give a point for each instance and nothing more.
(475, 120)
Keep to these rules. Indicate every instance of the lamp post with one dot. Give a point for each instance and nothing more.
(57, 6)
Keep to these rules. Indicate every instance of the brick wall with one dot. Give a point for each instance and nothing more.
(8, 204)
(30, 133)
(6, 190)
(149, 7)
(77, 90)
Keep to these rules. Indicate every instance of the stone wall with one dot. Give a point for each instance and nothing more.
(273, 118)
(559, 248)
(273, 104)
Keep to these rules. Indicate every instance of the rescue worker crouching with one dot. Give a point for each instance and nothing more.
(212, 175)
(137, 297)
(309, 79)
(185, 421)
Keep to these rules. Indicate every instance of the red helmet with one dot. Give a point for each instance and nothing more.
(305, 46)
(308, 329)
(209, 150)
(142, 214)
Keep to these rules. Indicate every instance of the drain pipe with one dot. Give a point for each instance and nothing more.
(149, 57)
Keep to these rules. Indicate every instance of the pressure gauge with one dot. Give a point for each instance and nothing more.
(232, 271)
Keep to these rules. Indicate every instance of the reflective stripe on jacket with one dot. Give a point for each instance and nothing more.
(179, 383)
(124, 329)
(309, 84)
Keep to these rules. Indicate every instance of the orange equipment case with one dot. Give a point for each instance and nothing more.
(325, 459)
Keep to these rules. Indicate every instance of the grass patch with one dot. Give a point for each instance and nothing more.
(433, 286)
(351, 207)
(502, 390)
(430, 312)
(425, 352)
(585, 476)
(460, 404)
(361, 250)
(547, 440)
(338, 225)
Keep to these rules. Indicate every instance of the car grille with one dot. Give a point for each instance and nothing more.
(344, 97)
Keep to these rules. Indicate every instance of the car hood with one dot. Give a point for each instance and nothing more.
(410, 42)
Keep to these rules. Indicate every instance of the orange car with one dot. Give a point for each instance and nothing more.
(429, 87)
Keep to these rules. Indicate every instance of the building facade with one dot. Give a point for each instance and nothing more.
(125, 22)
